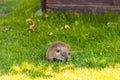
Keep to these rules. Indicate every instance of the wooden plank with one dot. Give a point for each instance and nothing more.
(82, 5)
(116, 2)
(109, 2)
(83, 8)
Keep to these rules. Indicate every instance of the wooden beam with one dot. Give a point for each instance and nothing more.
(83, 8)
(43, 5)
(81, 5)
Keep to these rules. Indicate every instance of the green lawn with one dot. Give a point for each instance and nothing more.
(22, 51)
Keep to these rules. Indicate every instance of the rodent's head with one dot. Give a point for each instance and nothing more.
(61, 51)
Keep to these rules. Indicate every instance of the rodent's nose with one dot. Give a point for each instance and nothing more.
(65, 55)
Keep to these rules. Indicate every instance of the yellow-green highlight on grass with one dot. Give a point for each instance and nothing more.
(68, 72)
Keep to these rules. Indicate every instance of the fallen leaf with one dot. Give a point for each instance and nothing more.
(29, 20)
(46, 15)
(50, 34)
(33, 26)
(67, 26)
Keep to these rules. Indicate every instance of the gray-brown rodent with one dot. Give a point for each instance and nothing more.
(58, 51)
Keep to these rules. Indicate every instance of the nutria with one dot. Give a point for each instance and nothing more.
(58, 51)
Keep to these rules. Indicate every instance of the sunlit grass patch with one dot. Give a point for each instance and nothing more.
(15, 77)
(16, 69)
(69, 73)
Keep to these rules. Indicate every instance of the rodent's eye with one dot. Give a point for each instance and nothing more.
(58, 50)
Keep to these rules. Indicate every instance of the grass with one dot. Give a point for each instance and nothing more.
(22, 51)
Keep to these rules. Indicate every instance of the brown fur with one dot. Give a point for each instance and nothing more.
(58, 50)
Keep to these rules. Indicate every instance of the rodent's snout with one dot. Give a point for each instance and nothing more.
(65, 55)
